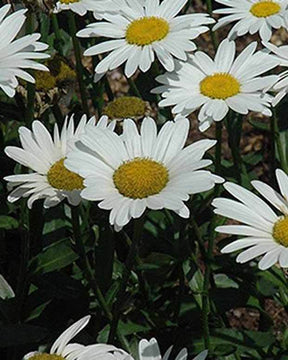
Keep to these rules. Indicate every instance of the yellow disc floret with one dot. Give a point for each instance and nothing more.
(140, 178)
(125, 107)
(59, 72)
(220, 86)
(63, 179)
(68, 1)
(265, 8)
(45, 356)
(280, 231)
(147, 30)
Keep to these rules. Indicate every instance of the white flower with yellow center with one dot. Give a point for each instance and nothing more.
(253, 16)
(16, 56)
(61, 350)
(140, 31)
(50, 180)
(132, 172)
(81, 7)
(265, 231)
(281, 86)
(221, 84)
(149, 350)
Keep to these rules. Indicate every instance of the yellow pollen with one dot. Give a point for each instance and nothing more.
(265, 9)
(147, 30)
(280, 231)
(219, 86)
(140, 178)
(63, 179)
(68, 1)
(125, 107)
(45, 356)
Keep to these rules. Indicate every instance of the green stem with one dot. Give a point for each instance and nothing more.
(29, 113)
(218, 148)
(209, 253)
(78, 56)
(133, 88)
(138, 229)
(213, 35)
(88, 272)
(276, 136)
(58, 38)
(85, 265)
(234, 128)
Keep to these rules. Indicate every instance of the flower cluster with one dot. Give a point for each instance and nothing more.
(130, 160)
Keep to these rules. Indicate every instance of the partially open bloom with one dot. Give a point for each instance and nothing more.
(253, 16)
(281, 86)
(139, 31)
(61, 349)
(221, 84)
(149, 350)
(132, 172)
(16, 56)
(50, 180)
(81, 7)
(126, 107)
(265, 231)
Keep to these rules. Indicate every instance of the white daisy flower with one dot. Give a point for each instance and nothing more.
(132, 172)
(281, 87)
(50, 180)
(17, 55)
(253, 16)
(149, 350)
(61, 350)
(265, 231)
(80, 7)
(219, 84)
(140, 31)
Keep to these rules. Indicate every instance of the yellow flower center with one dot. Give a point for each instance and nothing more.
(125, 107)
(46, 357)
(220, 86)
(265, 9)
(147, 30)
(68, 1)
(63, 179)
(140, 178)
(280, 231)
(59, 72)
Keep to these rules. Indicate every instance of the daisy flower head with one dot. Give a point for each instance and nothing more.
(61, 349)
(281, 86)
(17, 55)
(149, 350)
(127, 107)
(265, 231)
(253, 16)
(135, 171)
(81, 7)
(45, 156)
(215, 86)
(142, 30)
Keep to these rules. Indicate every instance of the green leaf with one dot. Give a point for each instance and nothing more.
(8, 222)
(259, 125)
(6, 292)
(196, 282)
(54, 257)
